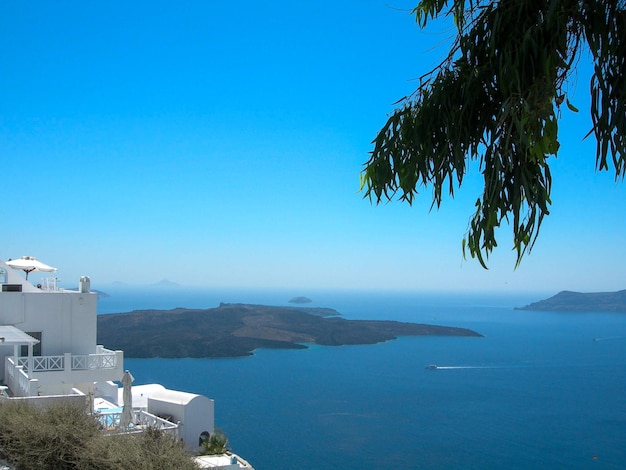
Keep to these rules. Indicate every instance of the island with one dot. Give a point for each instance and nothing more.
(236, 330)
(568, 301)
(101, 295)
(300, 300)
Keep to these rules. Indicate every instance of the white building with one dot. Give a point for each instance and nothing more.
(49, 352)
(48, 339)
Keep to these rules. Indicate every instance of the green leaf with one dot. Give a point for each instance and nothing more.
(571, 106)
(495, 99)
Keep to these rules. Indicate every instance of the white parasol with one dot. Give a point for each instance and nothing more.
(29, 264)
(127, 395)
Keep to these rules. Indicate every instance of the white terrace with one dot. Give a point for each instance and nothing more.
(48, 338)
(49, 350)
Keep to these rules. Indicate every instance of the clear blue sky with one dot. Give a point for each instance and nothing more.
(220, 144)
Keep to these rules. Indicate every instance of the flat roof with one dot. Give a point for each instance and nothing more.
(12, 335)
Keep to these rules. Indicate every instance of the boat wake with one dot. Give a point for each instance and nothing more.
(609, 338)
(434, 367)
(471, 367)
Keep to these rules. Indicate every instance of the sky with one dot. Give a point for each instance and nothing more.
(219, 144)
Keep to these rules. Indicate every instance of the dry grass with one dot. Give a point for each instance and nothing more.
(65, 437)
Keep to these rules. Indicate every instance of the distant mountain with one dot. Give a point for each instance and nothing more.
(300, 300)
(165, 283)
(232, 330)
(568, 301)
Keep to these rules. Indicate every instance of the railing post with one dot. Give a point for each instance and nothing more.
(13, 377)
(67, 362)
(8, 367)
(33, 385)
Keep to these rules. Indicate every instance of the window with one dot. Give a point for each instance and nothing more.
(36, 347)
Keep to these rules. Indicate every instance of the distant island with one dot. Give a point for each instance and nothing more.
(234, 330)
(101, 295)
(300, 300)
(165, 283)
(568, 301)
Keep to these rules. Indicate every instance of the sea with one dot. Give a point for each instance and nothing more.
(538, 390)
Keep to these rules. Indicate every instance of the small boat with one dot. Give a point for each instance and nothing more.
(431, 366)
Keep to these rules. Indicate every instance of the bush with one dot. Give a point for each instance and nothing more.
(63, 437)
(217, 443)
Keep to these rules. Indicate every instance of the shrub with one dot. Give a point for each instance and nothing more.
(63, 437)
(217, 443)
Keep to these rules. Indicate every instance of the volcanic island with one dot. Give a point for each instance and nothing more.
(236, 330)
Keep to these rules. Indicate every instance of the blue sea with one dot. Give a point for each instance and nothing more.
(539, 390)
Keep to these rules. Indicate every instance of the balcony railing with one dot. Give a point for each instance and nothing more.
(95, 361)
(43, 363)
(104, 360)
(18, 381)
(110, 422)
(30, 375)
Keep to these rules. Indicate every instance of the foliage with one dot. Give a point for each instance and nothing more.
(65, 437)
(150, 450)
(216, 444)
(497, 99)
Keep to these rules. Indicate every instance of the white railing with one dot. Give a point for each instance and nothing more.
(18, 380)
(95, 361)
(49, 284)
(9, 369)
(110, 422)
(104, 360)
(146, 419)
(43, 363)
(24, 383)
